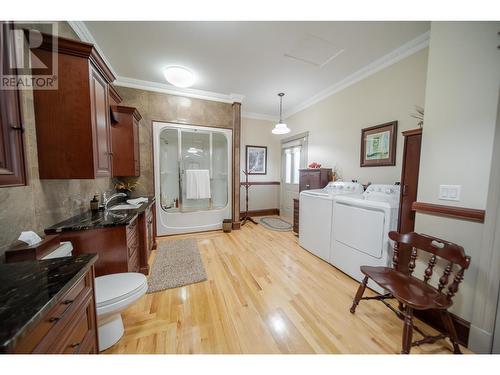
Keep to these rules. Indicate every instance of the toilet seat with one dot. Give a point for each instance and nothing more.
(110, 289)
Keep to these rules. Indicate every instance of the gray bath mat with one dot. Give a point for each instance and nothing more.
(177, 263)
(275, 223)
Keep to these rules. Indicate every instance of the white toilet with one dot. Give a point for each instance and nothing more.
(113, 294)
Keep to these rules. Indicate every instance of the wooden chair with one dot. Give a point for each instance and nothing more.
(413, 293)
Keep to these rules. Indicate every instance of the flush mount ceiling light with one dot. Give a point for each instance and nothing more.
(179, 76)
(280, 127)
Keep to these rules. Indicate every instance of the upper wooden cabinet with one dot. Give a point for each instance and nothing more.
(12, 158)
(73, 122)
(125, 140)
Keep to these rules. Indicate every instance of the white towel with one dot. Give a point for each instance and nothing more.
(197, 184)
(137, 201)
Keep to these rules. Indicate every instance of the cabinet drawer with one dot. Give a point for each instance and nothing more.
(79, 329)
(45, 333)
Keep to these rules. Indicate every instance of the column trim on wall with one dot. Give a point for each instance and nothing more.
(236, 164)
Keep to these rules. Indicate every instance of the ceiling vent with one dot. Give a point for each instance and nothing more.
(314, 50)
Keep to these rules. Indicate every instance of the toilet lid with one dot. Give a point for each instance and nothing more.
(118, 286)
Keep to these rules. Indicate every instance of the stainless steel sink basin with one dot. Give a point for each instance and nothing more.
(123, 207)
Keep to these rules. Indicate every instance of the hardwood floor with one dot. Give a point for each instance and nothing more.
(264, 294)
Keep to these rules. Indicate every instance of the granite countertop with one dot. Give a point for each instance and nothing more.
(101, 219)
(28, 290)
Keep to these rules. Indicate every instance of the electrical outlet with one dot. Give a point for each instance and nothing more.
(449, 192)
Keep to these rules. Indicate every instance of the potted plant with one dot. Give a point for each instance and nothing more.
(126, 185)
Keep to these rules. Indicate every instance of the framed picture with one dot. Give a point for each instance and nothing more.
(378, 145)
(256, 157)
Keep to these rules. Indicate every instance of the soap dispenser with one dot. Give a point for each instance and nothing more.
(94, 204)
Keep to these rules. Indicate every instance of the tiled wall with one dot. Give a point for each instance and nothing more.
(42, 202)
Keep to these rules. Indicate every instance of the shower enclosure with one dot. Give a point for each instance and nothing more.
(192, 167)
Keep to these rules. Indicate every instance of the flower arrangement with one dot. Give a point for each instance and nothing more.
(126, 184)
(419, 116)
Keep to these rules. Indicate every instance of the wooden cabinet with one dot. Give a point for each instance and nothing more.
(296, 216)
(117, 247)
(314, 178)
(409, 184)
(73, 122)
(125, 141)
(70, 327)
(100, 124)
(12, 159)
(121, 248)
(147, 225)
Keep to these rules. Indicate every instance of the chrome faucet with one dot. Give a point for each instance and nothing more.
(106, 200)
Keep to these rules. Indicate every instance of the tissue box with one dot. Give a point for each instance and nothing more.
(20, 251)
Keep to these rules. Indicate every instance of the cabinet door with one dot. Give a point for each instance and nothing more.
(100, 122)
(309, 180)
(12, 168)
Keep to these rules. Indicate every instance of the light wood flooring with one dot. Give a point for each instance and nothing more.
(264, 294)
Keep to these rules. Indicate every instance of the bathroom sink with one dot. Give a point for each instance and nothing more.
(123, 207)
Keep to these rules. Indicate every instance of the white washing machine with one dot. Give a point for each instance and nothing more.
(316, 215)
(360, 230)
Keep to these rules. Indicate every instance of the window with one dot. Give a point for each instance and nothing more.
(292, 164)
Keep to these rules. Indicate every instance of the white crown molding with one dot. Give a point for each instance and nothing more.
(391, 58)
(85, 35)
(259, 116)
(173, 90)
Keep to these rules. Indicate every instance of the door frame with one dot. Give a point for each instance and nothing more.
(304, 138)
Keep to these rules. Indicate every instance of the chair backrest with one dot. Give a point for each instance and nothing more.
(449, 251)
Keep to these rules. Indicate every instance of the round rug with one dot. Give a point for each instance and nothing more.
(275, 223)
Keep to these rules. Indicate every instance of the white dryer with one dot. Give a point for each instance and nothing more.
(316, 215)
(361, 228)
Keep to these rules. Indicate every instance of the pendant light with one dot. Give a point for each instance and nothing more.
(280, 127)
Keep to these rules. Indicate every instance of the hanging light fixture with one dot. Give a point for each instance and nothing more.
(280, 127)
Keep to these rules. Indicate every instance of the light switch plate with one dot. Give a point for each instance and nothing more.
(449, 192)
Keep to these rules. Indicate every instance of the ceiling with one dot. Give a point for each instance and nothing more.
(254, 59)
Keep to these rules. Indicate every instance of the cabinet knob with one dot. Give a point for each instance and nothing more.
(54, 319)
(75, 345)
(68, 302)
(308, 186)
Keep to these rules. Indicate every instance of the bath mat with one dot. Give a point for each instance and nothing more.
(177, 263)
(275, 223)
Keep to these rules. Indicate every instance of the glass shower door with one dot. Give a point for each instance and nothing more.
(195, 170)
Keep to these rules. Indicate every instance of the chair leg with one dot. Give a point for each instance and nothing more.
(359, 294)
(450, 327)
(407, 330)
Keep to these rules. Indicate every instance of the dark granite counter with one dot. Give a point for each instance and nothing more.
(100, 219)
(28, 290)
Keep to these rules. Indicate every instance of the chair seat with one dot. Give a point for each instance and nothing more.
(407, 289)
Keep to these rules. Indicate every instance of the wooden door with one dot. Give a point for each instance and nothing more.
(12, 168)
(101, 126)
(409, 184)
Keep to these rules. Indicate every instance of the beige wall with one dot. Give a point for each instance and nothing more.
(335, 123)
(155, 106)
(42, 202)
(258, 133)
(460, 116)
